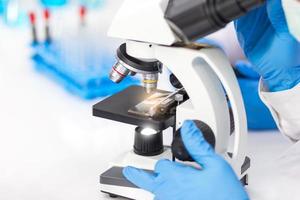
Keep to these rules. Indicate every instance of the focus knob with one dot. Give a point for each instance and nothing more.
(175, 82)
(178, 148)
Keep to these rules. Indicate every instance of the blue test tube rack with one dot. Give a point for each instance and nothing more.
(83, 74)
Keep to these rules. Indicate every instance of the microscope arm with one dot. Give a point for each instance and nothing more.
(205, 74)
(226, 75)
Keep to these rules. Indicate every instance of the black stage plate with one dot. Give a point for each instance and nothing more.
(116, 108)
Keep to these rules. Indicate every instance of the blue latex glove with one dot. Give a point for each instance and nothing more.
(258, 115)
(175, 181)
(267, 43)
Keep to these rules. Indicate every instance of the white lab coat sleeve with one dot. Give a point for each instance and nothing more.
(292, 14)
(285, 108)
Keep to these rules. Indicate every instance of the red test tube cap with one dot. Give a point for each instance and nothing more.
(32, 17)
(82, 11)
(46, 14)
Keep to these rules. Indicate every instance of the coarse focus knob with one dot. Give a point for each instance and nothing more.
(179, 150)
(175, 82)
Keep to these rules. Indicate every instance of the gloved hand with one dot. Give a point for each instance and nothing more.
(175, 181)
(258, 115)
(267, 43)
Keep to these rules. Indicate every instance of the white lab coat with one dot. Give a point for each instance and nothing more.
(292, 13)
(281, 180)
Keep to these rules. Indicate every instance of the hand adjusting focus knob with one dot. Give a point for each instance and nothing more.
(179, 150)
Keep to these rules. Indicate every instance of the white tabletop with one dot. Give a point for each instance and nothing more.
(51, 147)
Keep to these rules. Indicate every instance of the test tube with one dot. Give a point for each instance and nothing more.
(47, 25)
(82, 15)
(32, 18)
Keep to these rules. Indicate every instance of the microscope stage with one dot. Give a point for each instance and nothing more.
(116, 108)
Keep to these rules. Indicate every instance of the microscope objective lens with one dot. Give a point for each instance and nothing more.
(118, 73)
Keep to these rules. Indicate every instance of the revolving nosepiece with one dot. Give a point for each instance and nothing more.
(127, 65)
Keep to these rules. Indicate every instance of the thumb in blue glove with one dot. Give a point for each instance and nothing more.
(215, 180)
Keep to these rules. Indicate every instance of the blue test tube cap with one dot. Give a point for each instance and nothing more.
(54, 3)
(92, 3)
(3, 4)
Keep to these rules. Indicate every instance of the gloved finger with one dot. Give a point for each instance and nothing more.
(140, 178)
(277, 18)
(164, 167)
(251, 27)
(246, 70)
(199, 149)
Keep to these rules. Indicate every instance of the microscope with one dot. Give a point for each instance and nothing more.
(159, 33)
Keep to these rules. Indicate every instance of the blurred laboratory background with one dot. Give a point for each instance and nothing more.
(55, 59)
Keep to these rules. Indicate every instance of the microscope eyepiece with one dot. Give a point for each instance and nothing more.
(191, 19)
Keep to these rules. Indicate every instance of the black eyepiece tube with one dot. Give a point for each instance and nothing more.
(193, 19)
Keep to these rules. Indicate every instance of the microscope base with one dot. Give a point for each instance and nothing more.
(125, 192)
(113, 182)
